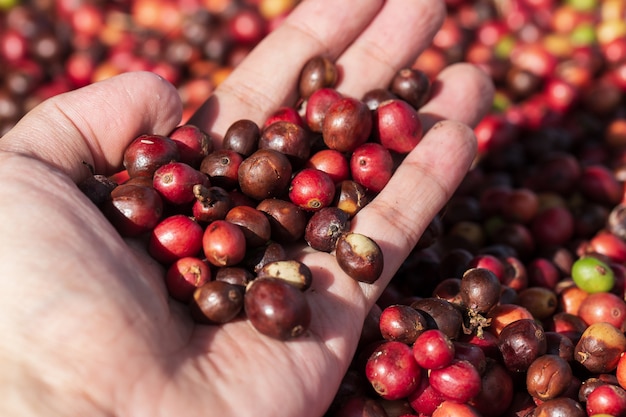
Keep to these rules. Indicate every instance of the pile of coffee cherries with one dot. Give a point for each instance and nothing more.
(513, 304)
(221, 221)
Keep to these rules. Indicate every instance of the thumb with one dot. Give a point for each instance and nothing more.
(94, 124)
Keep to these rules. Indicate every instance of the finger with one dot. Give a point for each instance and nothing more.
(461, 92)
(392, 41)
(418, 190)
(267, 78)
(94, 124)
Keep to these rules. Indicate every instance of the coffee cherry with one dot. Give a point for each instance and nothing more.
(332, 162)
(223, 243)
(480, 289)
(193, 144)
(520, 343)
(347, 124)
(318, 72)
(311, 189)
(265, 174)
(175, 237)
(133, 209)
(360, 257)
(397, 126)
(148, 152)
(222, 168)
(401, 323)
(459, 381)
(254, 224)
(287, 138)
(294, 272)
(592, 275)
(175, 182)
(350, 197)
(317, 106)
(600, 347)
(212, 203)
(371, 165)
(184, 276)
(412, 85)
(548, 377)
(242, 137)
(392, 370)
(325, 227)
(216, 302)
(276, 308)
(433, 349)
(287, 220)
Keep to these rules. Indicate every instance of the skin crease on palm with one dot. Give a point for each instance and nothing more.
(86, 325)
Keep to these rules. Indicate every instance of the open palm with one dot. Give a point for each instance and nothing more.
(87, 327)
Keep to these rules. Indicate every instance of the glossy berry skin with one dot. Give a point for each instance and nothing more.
(224, 243)
(397, 126)
(347, 124)
(332, 162)
(433, 349)
(458, 382)
(311, 189)
(175, 237)
(393, 371)
(371, 165)
(148, 152)
(276, 308)
(175, 182)
(193, 144)
(133, 209)
(184, 276)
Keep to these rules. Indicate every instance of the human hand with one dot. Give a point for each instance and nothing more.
(87, 326)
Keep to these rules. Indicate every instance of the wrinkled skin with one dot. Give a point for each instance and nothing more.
(87, 327)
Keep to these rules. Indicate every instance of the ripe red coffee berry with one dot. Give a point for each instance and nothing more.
(317, 105)
(193, 144)
(458, 382)
(184, 276)
(433, 349)
(175, 237)
(401, 323)
(360, 257)
(332, 162)
(347, 124)
(397, 126)
(311, 189)
(224, 243)
(371, 165)
(392, 370)
(175, 182)
(276, 308)
(148, 152)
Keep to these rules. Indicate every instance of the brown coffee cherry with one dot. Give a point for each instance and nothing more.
(265, 174)
(276, 308)
(318, 72)
(216, 302)
(287, 138)
(360, 257)
(347, 124)
(242, 137)
(133, 209)
(325, 227)
(287, 220)
(548, 377)
(412, 85)
(350, 197)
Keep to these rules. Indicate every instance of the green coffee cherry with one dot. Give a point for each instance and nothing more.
(592, 275)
